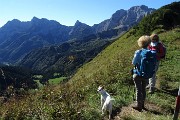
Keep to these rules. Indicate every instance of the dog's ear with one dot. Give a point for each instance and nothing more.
(100, 88)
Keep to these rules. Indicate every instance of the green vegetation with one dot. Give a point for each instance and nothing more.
(165, 18)
(111, 69)
(56, 80)
(78, 98)
(16, 77)
(52, 81)
(39, 84)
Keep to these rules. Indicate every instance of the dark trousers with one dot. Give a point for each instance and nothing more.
(140, 85)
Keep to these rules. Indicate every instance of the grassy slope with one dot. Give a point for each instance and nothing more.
(111, 69)
(79, 97)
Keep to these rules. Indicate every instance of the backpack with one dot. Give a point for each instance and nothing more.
(147, 65)
(164, 50)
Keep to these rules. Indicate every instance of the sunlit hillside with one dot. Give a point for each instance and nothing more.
(111, 69)
(78, 99)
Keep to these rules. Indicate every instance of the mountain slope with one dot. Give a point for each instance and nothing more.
(124, 18)
(19, 38)
(87, 42)
(111, 68)
(64, 58)
(78, 98)
(15, 78)
(168, 17)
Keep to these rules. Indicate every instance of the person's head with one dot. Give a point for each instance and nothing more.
(154, 38)
(144, 41)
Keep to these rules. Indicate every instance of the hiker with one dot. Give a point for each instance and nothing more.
(156, 46)
(140, 81)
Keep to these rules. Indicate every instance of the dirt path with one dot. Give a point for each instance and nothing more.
(127, 111)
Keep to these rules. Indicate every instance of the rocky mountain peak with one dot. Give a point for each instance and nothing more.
(124, 18)
(144, 7)
(43, 32)
(78, 23)
(14, 22)
(141, 8)
(35, 19)
(118, 14)
(80, 30)
(38, 21)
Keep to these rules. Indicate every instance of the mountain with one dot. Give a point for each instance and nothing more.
(19, 38)
(80, 30)
(15, 77)
(64, 58)
(124, 18)
(88, 45)
(78, 97)
(167, 19)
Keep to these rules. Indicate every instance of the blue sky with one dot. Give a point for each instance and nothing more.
(67, 12)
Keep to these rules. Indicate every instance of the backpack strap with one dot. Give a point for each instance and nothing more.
(137, 66)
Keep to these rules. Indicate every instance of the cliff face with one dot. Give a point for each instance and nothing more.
(124, 18)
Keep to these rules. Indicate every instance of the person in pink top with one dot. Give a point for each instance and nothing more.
(157, 47)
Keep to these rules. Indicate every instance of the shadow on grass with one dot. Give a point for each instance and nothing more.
(153, 111)
(173, 92)
(116, 112)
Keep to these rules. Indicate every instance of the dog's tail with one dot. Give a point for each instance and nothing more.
(112, 99)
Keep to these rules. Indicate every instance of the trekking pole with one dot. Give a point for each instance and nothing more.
(176, 112)
(134, 90)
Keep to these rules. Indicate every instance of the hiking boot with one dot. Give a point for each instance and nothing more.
(143, 106)
(151, 90)
(138, 106)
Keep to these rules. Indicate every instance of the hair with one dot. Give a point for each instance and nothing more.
(154, 37)
(144, 41)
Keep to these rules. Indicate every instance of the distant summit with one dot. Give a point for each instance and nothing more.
(19, 38)
(80, 30)
(124, 18)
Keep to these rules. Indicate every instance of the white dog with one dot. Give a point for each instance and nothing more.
(106, 101)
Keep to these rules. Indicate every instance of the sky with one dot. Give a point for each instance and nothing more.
(67, 12)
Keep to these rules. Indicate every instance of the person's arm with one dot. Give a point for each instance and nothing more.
(136, 57)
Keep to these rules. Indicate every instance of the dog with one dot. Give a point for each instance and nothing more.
(106, 101)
